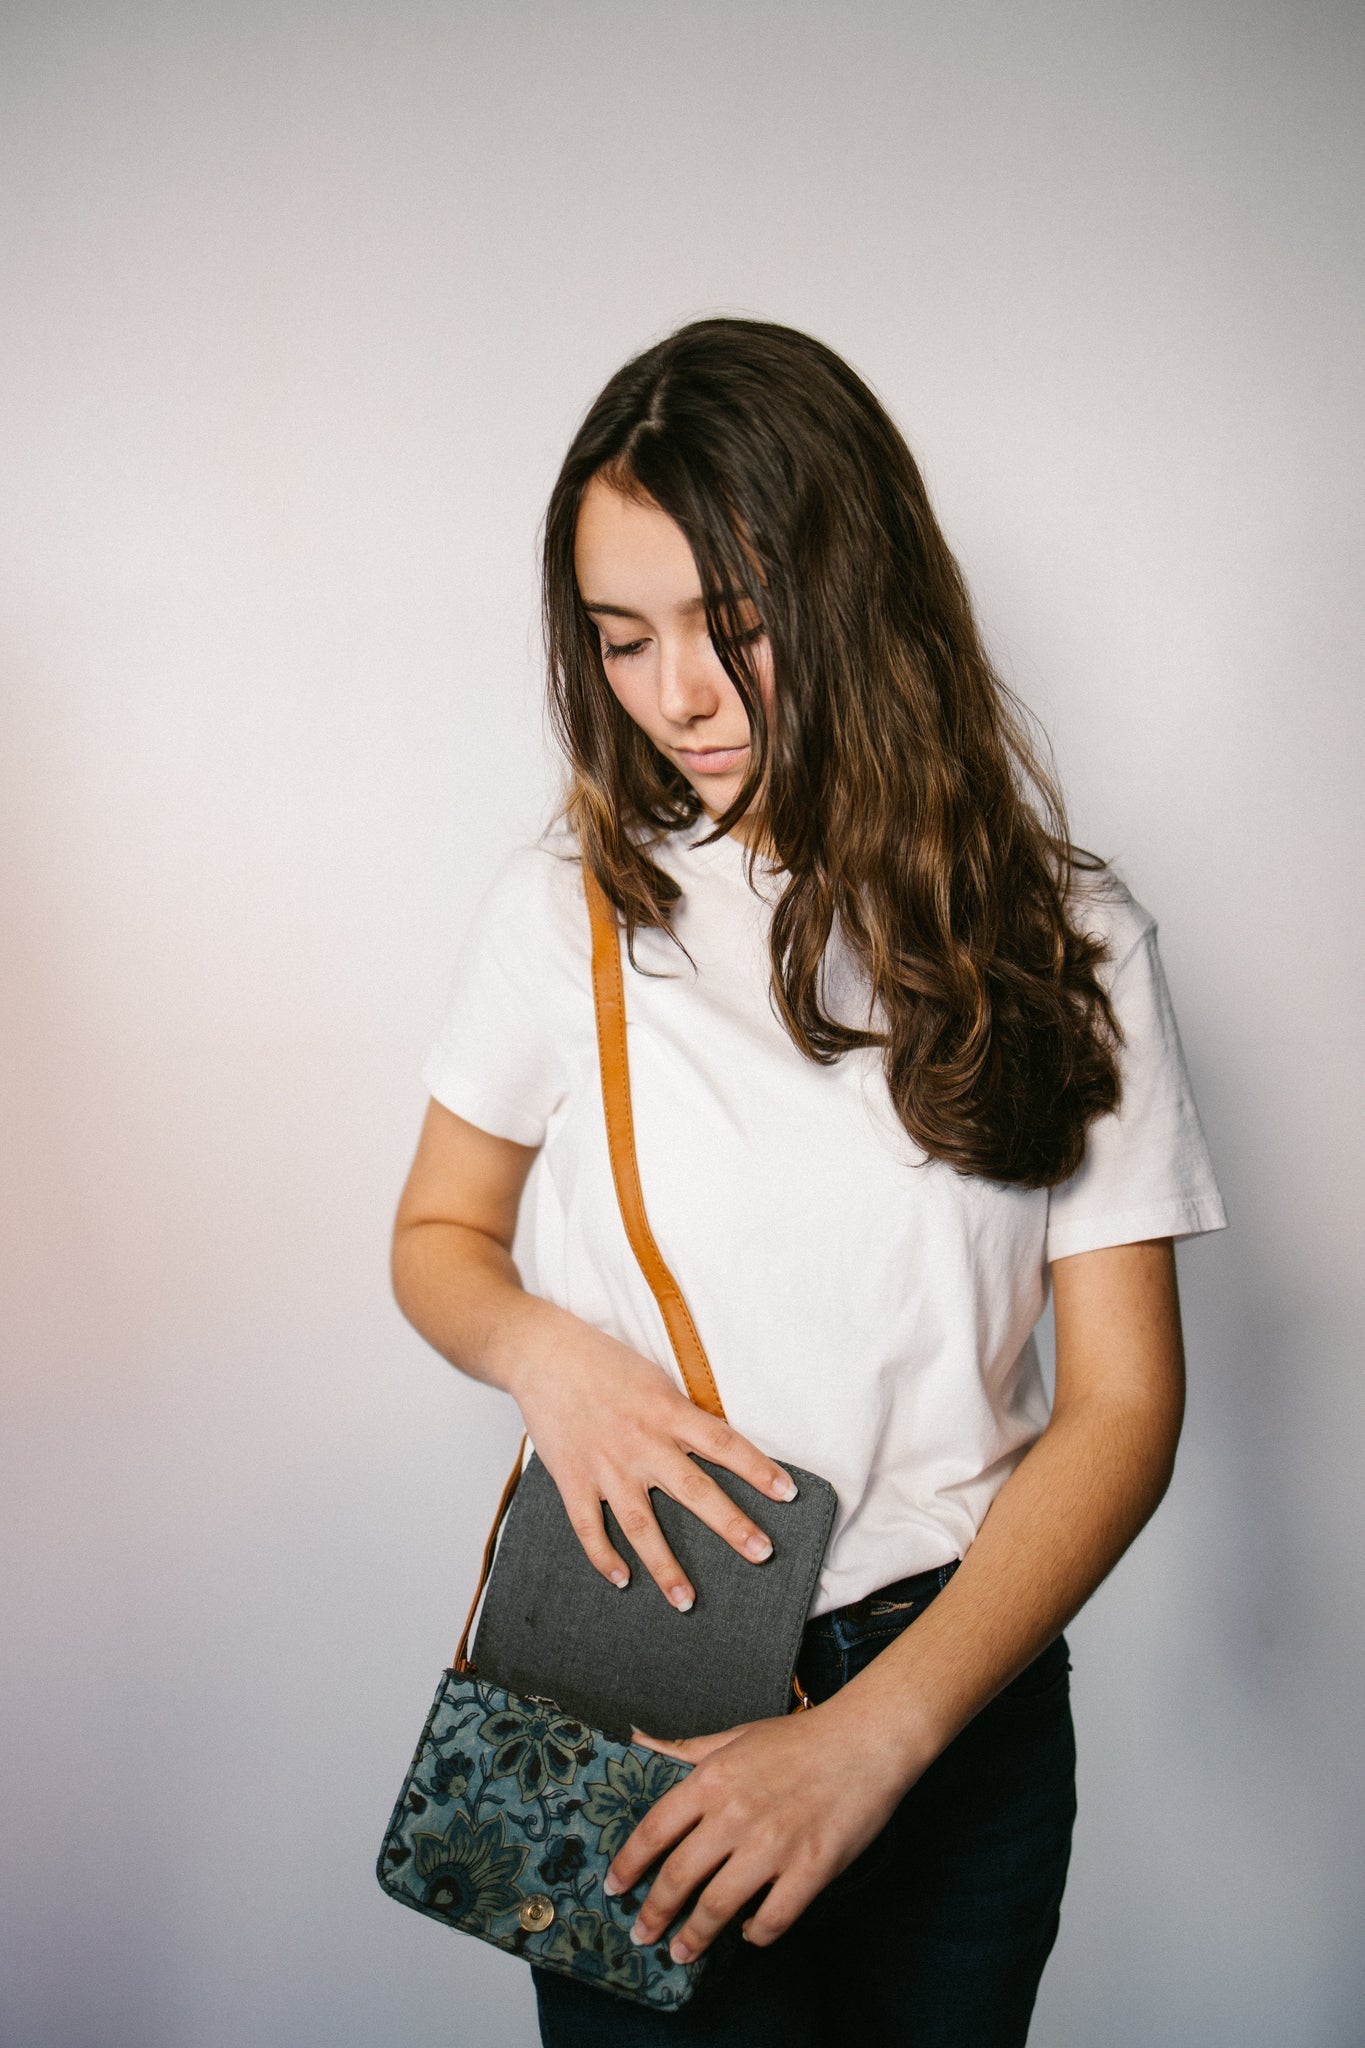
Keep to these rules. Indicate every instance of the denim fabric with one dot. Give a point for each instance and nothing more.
(936, 1936)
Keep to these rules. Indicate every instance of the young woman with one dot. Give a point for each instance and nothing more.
(901, 1057)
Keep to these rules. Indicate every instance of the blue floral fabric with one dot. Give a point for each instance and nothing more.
(510, 1815)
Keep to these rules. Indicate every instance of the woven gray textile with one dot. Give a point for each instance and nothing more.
(554, 1628)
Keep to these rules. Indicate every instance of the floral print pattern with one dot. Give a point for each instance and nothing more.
(535, 1740)
(468, 1872)
(597, 1950)
(450, 1777)
(633, 1783)
(501, 1806)
(565, 1855)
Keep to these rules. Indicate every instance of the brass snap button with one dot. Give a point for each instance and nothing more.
(536, 1913)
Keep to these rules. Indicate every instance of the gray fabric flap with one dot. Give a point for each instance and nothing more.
(554, 1628)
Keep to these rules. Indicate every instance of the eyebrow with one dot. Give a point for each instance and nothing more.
(621, 611)
(693, 604)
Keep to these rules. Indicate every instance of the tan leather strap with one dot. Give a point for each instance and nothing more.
(460, 1661)
(609, 1003)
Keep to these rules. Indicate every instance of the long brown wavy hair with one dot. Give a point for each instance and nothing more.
(900, 790)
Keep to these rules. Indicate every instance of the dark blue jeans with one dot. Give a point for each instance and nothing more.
(936, 1936)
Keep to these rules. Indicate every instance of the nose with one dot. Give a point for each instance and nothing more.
(689, 680)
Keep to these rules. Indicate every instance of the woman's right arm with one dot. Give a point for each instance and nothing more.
(608, 1423)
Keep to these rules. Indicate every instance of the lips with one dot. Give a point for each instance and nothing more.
(711, 760)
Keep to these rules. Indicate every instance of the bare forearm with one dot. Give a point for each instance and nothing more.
(1055, 1530)
(1065, 1515)
(460, 1289)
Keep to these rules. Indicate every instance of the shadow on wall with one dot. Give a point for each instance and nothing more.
(1218, 1673)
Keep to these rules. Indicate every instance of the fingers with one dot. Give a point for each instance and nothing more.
(641, 1529)
(585, 1519)
(744, 1836)
(685, 1481)
(737, 1882)
(666, 1821)
(681, 1878)
(650, 1447)
(646, 1539)
(724, 1445)
(785, 1903)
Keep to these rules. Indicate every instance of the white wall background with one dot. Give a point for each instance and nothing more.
(301, 304)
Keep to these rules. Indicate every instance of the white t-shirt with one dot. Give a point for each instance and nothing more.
(868, 1312)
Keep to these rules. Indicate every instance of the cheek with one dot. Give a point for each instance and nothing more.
(633, 691)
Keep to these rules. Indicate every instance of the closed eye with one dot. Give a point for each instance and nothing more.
(624, 650)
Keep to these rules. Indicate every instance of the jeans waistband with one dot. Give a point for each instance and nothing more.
(909, 1592)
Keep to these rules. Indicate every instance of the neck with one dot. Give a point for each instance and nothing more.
(750, 831)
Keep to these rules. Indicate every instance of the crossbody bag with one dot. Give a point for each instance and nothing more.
(525, 1785)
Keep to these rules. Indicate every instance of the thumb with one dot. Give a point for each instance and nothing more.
(692, 1748)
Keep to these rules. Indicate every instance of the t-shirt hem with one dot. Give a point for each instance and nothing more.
(489, 1112)
(1166, 1219)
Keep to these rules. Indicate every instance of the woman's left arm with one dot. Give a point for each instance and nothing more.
(789, 1803)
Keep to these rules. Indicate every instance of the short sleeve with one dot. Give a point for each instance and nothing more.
(1146, 1171)
(494, 1061)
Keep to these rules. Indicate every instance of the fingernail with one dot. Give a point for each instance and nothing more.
(611, 1887)
(784, 1487)
(680, 1952)
(681, 1599)
(620, 1577)
(638, 1935)
(758, 1548)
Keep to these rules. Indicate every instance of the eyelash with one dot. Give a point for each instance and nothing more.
(631, 647)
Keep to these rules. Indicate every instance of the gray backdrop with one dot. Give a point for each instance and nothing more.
(301, 304)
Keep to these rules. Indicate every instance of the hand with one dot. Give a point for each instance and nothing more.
(786, 1803)
(609, 1425)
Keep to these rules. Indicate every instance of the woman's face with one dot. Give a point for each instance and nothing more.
(640, 586)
